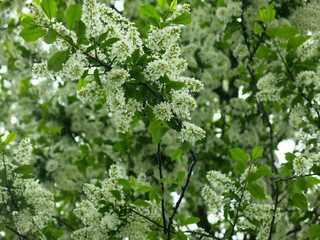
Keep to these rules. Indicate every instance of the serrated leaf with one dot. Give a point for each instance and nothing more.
(144, 188)
(184, 19)
(82, 83)
(31, 31)
(300, 201)
(284, 32)
(258, 28)
(125, 183)
(10, 138)
(116, 194)
(313, 180)
(181, 176)
(149, 11)
(239, 168)
(176, 153)
(270, 13)
(49, 7)
(162, 4)
(173, 4)
(257, 152)
(239, 155)
(163, 180)
(265, 171)
(24, 169)
(158, 130)
(134, 181)
(73, 14)
(256, 191)
(295, 42)
(141, 203)
(191, 220)
(56, 61)
(314, 231)
(50, 37)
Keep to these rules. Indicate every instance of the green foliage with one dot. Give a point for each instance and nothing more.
(31, 31)
(256, 191)
(73, 14)
(239, 155)
(49, 7)
(56, 61)
(10, 138)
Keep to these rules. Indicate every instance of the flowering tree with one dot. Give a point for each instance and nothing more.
(160, 120)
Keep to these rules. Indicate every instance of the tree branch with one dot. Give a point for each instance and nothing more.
(274, 210)
(17, 233)
(63, 222)
(162, 189)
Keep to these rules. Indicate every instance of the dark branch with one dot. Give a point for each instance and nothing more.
(63, 222)
(17, 233)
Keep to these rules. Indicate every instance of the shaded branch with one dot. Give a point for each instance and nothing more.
(162, 189)
(17, 233)
(63, 222)
(274, 210)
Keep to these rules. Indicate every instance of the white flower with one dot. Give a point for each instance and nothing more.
(191, 133)
(23, 154)
(162, 111)
(302, 165)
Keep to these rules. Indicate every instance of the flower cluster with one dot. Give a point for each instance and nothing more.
(268, 89)
(302, 165)
(191, 133)
(105, 211)
(75, 66)
(27, 204)
(225, 14)
(262, 213)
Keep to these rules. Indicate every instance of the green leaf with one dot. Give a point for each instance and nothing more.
(295, 42)
(80, 29)
(73, 14)
(257, 152)
(56, 61)
(96, 76)
(181, 176)
(49, 7)
(116, 194)
(239, 168)
(258, 28)
(312, 180)
(239, 155)
(125, 183)
(141, 203)
(134, 181)
(270, 13)
(24, 169)
(284, 32)
(31, 31)
(256, 191)
(290, 156)
(50, 37)
(300, 201)
(149, 11)
(184, 19)
(163, 180)
(82, 83)
(173, 4)
(176, 153)
(158, 130)
(144, 188)
(190, 220)
(10, 138)
(151, 234)
(266, 53)
(252, 176)
(314, 231)
(109, 42)
(265, 171)
(162, 4)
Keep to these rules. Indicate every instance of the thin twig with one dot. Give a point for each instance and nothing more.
(274, 210)
(295, 176)
(63, 222)
(17, 233)
(162, 189)
(184, 188)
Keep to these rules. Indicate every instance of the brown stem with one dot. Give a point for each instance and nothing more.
(162, 189)
(274, 210)
(17, 233)
(63, 222)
